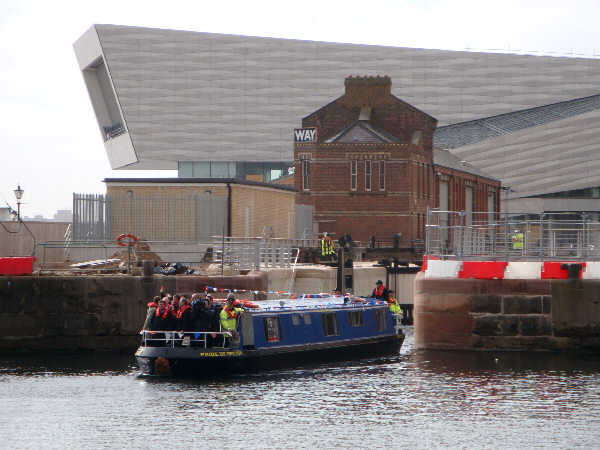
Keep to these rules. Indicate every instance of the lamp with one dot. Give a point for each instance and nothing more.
(18, 194)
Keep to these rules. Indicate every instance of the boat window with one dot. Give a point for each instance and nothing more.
(295, 319)
(355, 318)
(380, 319)
(272, 329)
(307, 320)
(330, 324)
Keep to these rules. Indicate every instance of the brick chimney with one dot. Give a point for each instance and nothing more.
(366, 90)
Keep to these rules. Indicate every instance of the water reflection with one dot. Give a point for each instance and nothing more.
(68, 363)
(418, 399)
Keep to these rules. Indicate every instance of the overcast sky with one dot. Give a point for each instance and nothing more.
(49, 138)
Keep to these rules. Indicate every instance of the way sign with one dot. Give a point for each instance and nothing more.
(305, 135)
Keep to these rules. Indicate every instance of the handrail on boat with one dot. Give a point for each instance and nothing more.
(174, 339)
(397, 322)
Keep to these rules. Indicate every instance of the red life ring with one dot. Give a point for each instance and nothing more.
(249, 304)
(131, 240)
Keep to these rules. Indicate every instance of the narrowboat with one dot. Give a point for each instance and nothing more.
(278, 334)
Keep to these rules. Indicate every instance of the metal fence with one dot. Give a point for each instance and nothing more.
(523, 237)
(254, 253)
(238, 253)
(187, 217)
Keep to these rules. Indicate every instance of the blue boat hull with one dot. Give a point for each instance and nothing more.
(185, 362)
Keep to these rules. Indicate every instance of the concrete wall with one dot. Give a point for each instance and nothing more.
(468, 314)
(365, 278)
(19, 242)
(90, 312)
(313, 279)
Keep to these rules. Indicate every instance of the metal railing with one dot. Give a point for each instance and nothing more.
(197, 339)
(522, 236)
(254, 253)
(83, 255)
(397, 322)
(238, 253)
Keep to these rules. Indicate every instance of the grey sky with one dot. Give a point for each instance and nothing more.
(49, 139)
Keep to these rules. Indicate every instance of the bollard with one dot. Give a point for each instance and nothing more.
(573, 271)
(148, 270)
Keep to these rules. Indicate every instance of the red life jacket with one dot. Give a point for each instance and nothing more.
(180, 311)
(232, 314)
(379, 291)
(165, 314)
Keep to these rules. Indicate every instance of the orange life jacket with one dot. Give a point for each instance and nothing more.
(379, 290)
(181, 311)
(165, 314)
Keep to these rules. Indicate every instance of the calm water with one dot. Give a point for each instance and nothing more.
(418, 400)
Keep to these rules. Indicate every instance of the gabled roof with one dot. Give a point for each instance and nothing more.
(446, 159)
(362, 132)
(471, 132)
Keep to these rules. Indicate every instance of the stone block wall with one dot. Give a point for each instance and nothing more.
(470, 314)
(91, 312)
(511, 321)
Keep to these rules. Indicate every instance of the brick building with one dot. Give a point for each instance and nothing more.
(367, 165)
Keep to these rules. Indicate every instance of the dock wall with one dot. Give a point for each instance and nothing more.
(506, 314)
(91, 312)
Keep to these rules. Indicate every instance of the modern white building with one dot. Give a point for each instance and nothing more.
(214, 105)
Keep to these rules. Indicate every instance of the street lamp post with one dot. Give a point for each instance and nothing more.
(18, 194)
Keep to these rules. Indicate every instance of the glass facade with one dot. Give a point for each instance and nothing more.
(257, 171)
(591, 192)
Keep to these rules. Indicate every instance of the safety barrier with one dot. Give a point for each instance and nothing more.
(498, 270)
(486, 270)
(591, 271)
(525, 236)
(16, 265)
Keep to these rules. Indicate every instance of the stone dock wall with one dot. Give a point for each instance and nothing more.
(507, 314)
(91, 312)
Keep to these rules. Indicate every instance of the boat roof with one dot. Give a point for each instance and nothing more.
(312, 302)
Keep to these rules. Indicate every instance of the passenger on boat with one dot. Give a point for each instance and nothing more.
(214, 340)
(201, 316)
(337, 292)
(161, 320)
(229, 316)
(151, 311)
(165, 295)
(183, 317)
(195, 300)
(380, 292)
(394, 306)
(216, 309)
(174, 306)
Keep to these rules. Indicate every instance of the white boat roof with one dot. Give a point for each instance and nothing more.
(314, 301)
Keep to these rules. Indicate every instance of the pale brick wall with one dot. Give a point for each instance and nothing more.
(254, 207)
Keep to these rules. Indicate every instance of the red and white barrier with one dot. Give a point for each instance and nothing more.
(498, 270)
(591, 271)
(443, 269)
